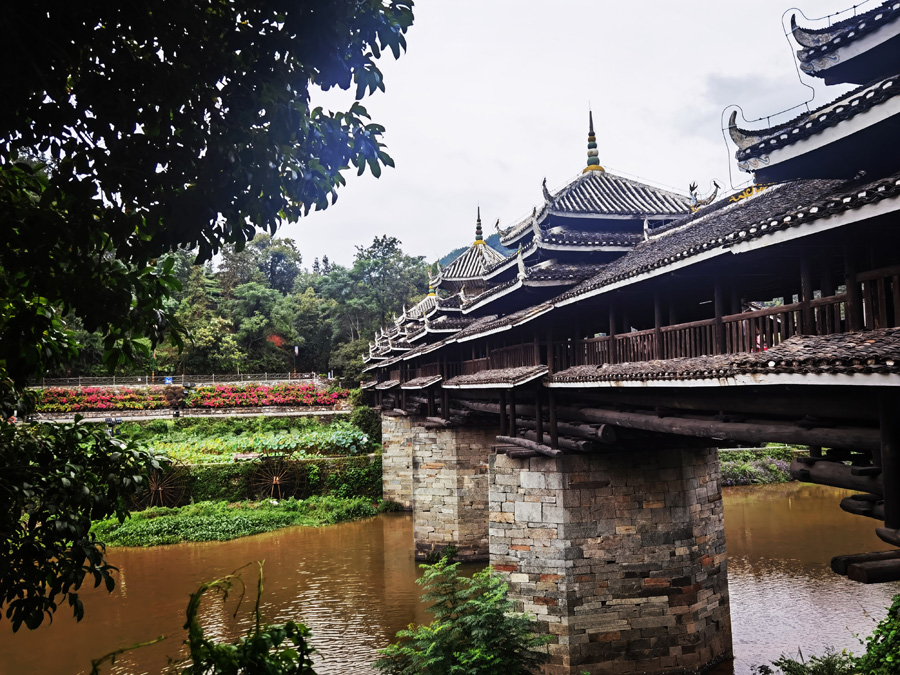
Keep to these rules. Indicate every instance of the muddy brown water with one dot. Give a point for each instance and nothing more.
(354, 586)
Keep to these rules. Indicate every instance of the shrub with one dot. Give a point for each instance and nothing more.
(368, 421)
(830, 663)
(474, 631)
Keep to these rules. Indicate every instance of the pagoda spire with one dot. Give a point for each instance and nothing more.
(479, 237)
(593, 163)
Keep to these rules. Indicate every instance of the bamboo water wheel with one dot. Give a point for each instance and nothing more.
(165, 487)
(277, 477)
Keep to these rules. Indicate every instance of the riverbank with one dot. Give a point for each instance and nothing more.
(756, 466)
(223, 521)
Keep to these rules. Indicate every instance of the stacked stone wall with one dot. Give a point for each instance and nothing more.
(450, 490)
(396, 460)
(628, 576)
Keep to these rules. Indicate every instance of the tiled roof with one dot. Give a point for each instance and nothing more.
(444, 324)
(368, 385)
(422, 307)
(472, 263)
(755, 143)
(389, 384)
(779, 207)
(819, 42)
(505, 377)
(421, 382)
(606, 194)
(863, 352)
(563, 273)
(603, 194)
(591, 239)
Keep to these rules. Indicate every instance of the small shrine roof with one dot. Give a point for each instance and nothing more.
(779, 207)
(860, 353)
(504, 377)
(472, 263)
(421, 382)
(754, 143)
(817, 42)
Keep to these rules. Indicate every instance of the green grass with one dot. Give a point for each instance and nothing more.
(221, 521)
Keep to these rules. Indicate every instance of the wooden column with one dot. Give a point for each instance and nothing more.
(431, 410)
(537, 350)
(554, 436)
(735, 300)
(445, 404)
(854, 296)
(512, 412)
(612, 332)
(539, 415)
(806, 296)
(719, 306)
(403, 399)
(503, 426)
(657, 326)
(550, 363)
(889, 413)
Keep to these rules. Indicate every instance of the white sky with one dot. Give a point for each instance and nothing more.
(492, 96)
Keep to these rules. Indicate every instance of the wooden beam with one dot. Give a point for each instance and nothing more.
(875, 571)
(531, 445)
(841, 563)
(888, 410)
(522, 453)
(575, 445)
(837, 475)
(762, 432)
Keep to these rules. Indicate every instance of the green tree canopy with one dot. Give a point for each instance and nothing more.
(159, 126)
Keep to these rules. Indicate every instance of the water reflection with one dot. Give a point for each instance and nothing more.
(354, 586)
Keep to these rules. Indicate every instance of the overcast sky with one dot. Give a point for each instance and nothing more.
(492, 96)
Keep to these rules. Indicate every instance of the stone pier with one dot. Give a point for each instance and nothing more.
(442, 475)
(621, 557)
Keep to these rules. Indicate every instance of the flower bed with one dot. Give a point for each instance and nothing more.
(218, 396)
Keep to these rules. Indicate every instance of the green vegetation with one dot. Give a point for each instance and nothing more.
(882, 655)
(281, 649)
(475, 630)
(756, 466)
(221, 521)
(116, 196)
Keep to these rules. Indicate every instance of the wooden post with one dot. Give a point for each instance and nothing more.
(550, 361)
(503, 426)
(735, 300)
(719, 302)
(554, 436)
(537, 351)
(403, 398)
(657, 326)
(445, 404)
(612, 332)
(854, 296)
(888, 411)
(431, 402)
(539, 416)
(512, 412)
(806, 296)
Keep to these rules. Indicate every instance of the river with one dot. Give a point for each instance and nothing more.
(354, 585)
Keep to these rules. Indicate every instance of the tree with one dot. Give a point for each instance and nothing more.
(273, 261)
(475, 630)
(161, 126)
(388, 277)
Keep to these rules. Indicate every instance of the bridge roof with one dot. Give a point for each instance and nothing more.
(861, 353)
(776, 208)
(501, 377)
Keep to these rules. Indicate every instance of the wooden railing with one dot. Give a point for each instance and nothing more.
(881, 297)
(515, 356)
(428, 370)
(394, 374)
(475, 366)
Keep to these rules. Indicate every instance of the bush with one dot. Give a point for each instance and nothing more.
(830, 663)
(368, 421)
(474, 631)
(755, 471)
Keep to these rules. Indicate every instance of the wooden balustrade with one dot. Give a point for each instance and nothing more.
(880, 297)
(394, 374)
(428, 370)
(512, 357)
(474, 366)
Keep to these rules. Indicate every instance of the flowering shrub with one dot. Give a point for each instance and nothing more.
(238, 396)
(219, 396)
(766, 470)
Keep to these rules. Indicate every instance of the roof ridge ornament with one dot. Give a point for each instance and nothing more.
(479, 237)
(593, 162)
(696, 202)
(520, 262)
(547, 196)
